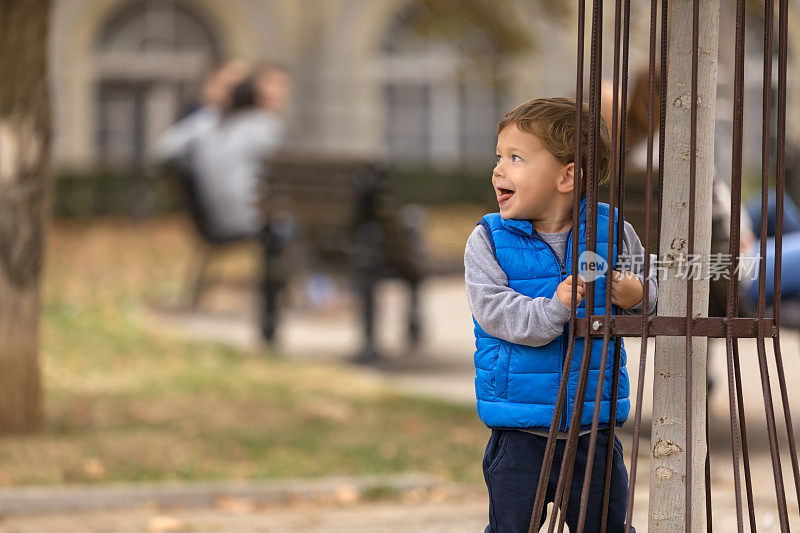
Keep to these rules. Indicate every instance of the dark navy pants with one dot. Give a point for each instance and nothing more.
(511, 467)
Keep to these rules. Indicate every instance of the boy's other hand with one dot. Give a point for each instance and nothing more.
(564, 290)
(626, 290)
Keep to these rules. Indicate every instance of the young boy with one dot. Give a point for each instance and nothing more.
(519, 289)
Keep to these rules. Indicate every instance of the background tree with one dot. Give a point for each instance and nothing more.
(24, 169)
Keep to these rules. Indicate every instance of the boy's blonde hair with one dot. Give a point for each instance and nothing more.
(552, 120)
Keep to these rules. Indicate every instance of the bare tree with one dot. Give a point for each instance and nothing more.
(24, 169)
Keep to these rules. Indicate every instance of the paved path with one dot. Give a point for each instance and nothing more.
(466, 514)
(438, 513)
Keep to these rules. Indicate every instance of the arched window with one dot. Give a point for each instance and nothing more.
(160, 25)
(149, 58)
(443, 85)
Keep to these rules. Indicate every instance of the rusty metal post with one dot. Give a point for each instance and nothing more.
(669, 475)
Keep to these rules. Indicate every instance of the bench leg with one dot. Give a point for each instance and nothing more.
(414, 326)
(269, 316)
(368, 351)
(272, 284)
(198, 276)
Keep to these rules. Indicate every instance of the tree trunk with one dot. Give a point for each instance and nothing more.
(671, 411)
(24, 168)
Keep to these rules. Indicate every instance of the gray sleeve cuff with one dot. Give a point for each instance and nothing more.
(638, 307)
(632, 247)
(556, 310)
(652, 296)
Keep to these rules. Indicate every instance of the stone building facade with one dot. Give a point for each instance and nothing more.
(412, 80)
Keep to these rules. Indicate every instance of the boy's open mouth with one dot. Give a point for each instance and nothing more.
(504, 195)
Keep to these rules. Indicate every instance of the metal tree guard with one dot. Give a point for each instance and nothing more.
(731, 327)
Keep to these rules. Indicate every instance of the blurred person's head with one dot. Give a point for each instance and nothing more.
(273, 86)
(636, 127)
(534, 176)
(242, 97)
(607, 101)
(220, 81)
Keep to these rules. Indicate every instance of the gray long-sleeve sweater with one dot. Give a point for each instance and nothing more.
(507, 314)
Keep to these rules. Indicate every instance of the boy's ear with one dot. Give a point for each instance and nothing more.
(566, 181)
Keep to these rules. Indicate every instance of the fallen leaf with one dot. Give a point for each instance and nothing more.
(347, 494)
(94, 468)
(161, 523)
(230, 504)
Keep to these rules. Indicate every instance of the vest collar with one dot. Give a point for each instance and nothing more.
(526, 228)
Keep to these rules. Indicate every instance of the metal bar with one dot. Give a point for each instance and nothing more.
(558, 412)
(662, 122)
(709, 517)
(776, 345)
(737, 482)
(690, 252)
(620, 170)
(733, 250)
(587, 477)
(609, 283)
(611, 432)
(765, 146)
(780, 156)
(773, 435)
(637, 424)
(743, 427)
(762, 357)
(733, 281)
(675, 326)
(614, 200)
(562, 493)
(780, 181)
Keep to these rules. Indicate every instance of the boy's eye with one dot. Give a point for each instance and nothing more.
(516, 158)
(497, 158)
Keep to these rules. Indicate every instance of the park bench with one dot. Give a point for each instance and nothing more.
(340, 216)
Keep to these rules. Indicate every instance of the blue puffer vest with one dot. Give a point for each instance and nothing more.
(516, 385)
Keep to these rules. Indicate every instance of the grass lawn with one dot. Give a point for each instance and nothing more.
(124, 404)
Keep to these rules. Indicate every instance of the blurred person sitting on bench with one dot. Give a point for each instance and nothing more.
(226, 160)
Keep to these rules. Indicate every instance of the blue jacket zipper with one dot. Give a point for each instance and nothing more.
(564, 336)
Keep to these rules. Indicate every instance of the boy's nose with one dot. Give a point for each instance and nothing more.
(497, 170)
